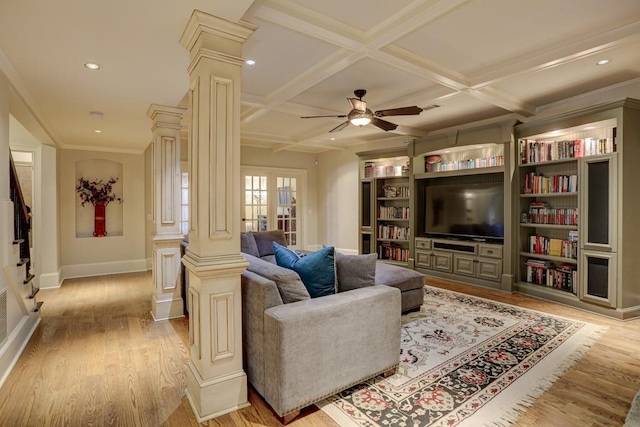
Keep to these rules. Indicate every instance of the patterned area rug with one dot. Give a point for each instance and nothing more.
(466, 361)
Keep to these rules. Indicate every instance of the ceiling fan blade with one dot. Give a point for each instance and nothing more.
(383, 124)
(357, 104)
(404, 111)
(340, 127)
(342, 116)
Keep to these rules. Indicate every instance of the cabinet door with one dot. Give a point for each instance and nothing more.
(490, 269)
(442, 261)
(598, 277)
(598, 203)
(423, 259)
(464, 264)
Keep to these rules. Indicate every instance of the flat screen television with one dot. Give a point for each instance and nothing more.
(466, 211)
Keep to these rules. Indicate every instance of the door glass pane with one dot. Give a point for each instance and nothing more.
(286, 208)
(255, 201)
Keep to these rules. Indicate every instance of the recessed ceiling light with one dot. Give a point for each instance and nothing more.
(97, 114)
(97, 131)
(447, 151)
(333, 139)
(250, 62)
(603, 62)
(589, 128)
(92, 65)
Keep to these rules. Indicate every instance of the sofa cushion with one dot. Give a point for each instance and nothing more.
(398, 277)
(248, 244)
(317, 269)
(288, 282)
(355, 271)
(264, 240)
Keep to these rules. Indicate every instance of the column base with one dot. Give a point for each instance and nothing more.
(216, 397)
(166, 309)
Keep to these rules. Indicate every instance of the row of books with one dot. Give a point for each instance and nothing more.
(392, 191)
(481, 162)
(393, 252)
(543, 245)
(532, 151)
(373, 171)
(393, 232)
(390, 212)
(542, 213)
(539, 184)
(564, 276)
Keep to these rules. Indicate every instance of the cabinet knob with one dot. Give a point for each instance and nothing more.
(489, 251)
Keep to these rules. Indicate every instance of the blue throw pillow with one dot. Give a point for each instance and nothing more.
(316, 270)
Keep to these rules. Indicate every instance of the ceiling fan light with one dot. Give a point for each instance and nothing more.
(360, 118)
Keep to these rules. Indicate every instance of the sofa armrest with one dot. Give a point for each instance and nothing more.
(318, 347)
(258, 294)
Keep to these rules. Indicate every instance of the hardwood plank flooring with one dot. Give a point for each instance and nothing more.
(98, 359)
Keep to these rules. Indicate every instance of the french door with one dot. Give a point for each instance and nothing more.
(273, 199)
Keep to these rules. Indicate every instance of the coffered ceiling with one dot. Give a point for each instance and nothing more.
(476, 59)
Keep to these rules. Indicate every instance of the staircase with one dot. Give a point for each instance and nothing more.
(18, 271)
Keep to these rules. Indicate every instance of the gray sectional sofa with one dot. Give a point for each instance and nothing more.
(300, 350)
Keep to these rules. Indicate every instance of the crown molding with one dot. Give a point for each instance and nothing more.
(201, 22)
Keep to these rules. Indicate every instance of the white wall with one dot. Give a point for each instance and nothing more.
(252, 156)
(88, 256)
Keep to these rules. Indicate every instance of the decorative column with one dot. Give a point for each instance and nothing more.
(216, 382)
(167, 301)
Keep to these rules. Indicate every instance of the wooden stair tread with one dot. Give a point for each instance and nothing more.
(37, 306)
(18, 241)
(29, 278)
(23, 261)
(33, 293)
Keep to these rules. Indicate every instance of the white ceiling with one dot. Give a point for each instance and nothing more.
(477, 59)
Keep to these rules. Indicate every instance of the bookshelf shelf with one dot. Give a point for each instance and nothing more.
(549, 257)
(535, 195)
(567, 291)
(549, 162)
(549, 226)
(393, 240)
(393, 198)
(393, 219)
(459, 172)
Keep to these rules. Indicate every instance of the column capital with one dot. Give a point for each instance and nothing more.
(164, 116)
(202, 23)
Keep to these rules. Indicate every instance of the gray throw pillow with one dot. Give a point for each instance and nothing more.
(248, 244)
(288, 282)
(265, 239)
(355, 271)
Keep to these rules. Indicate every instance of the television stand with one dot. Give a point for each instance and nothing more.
(480, 263)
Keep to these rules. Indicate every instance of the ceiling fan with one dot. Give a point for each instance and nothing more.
(360, 115)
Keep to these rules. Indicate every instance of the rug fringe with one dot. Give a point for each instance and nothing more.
(511, 415)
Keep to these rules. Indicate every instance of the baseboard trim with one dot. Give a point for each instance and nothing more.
(50, 280)
(15, 344)
(103, 268)
(149, 263)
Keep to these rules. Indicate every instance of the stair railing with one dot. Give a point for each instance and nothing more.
(21, 217)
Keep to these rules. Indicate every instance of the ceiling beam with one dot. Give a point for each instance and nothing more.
(563, 54)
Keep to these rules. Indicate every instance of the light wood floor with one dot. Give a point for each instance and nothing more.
(98, 359)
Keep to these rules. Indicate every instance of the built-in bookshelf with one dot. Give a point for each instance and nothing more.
(385, 195)
(551, 180)
(461, 160)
